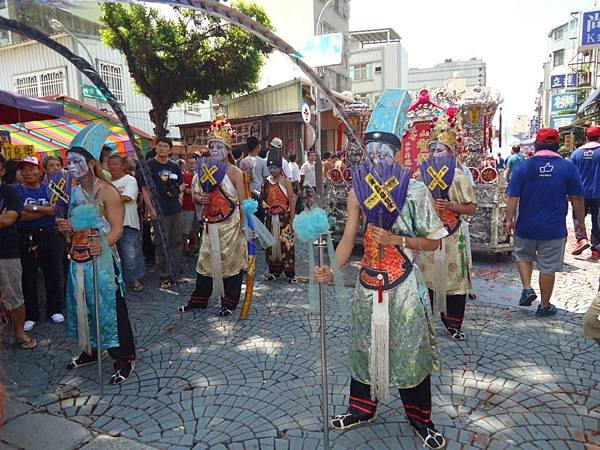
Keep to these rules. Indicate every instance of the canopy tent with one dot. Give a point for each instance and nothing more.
(18, 108)
(54, 136)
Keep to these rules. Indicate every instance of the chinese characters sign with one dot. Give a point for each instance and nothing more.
(414, 145)
(564, 120)
(569, 80)
(564, 102)
(243, 130)
(16, 152)
(589, 30)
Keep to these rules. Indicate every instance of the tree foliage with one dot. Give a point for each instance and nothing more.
(186, 55)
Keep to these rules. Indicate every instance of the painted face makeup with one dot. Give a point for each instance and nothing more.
(217, 150)
(274, 171)
(380, 152)
(439, 149)
(77, 165)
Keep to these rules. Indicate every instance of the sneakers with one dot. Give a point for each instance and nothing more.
(582, 244)
(431, 437)
(550, 310)
(122, 373)
(28, 325)
(527, 297)
(349, 420)
(57, 318)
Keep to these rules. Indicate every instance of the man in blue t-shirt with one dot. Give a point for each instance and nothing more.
(40, 244)
(587, 161)
(513, 161)
(540, 186)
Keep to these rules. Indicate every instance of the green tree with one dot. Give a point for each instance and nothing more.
(184, 56)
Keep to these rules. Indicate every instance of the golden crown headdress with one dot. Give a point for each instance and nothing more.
(445, 129)
(221, 129)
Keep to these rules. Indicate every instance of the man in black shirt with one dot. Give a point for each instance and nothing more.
(11, 293)
(168, 179)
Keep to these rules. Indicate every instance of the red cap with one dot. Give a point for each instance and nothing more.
(549, 135)
(593, 131)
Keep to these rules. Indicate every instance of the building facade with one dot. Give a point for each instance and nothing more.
(472, 71)
(378, 61)
(295, 21)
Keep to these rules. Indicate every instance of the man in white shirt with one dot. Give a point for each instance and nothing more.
(130, 244)
(308, 171)
(256, 167)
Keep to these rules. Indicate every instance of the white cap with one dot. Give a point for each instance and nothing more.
(276, 142)
(30, 160)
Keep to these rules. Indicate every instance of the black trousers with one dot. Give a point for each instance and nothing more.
(455, 305)
(592, 206)
(125, 352)
(45, 248)
(416, 400)
(204, 287)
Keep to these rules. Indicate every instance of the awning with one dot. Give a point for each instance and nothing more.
(54, 136)
(19, 108)
(594, 97)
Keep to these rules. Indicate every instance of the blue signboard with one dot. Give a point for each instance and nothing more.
(571, 80)
(564, 120)
(557, 81)
(564, 102)
(589, 29)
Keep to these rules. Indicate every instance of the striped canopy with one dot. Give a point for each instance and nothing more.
(53, 137)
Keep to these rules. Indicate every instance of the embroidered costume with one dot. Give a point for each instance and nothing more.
(447, 271)
(392, 342)
(222, 257)
(88, 218)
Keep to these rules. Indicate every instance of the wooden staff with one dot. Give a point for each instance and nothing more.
(247, 303)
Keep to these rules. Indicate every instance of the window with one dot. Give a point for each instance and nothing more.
(112, 75)
(558, 34)
(196, 108)
(42, 84)
(559, 58)
(360, 72)
(377, 69)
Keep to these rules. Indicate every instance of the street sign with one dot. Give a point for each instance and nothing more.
(563, 120)
(557, 81)
(16, 152)
(564, 102)
(306, 113)
(323, 50)
(589, 30)
(91, 91)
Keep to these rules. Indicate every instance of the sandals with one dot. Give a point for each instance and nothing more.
(431, 437)
(28, 344)
(456, 335)
(349, 420)
(122, 373)
(139, 287)
(166, 284)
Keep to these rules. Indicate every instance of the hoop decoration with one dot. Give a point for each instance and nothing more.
(335, 175)
(476, 174)
(489, 175)
(347, 175)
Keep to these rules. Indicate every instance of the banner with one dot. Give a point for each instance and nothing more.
(564, 102)
(414, 145)
(243, 130)
(16, 152)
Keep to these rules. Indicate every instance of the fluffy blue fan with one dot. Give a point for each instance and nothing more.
(309, 225)
(249, 206)
(84, 217)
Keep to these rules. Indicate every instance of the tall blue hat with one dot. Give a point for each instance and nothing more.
(388, 120)
(90, 140)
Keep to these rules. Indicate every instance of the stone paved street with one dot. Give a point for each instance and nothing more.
(202, 382)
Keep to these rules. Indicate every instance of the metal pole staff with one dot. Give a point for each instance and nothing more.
(96, 235)
(321, 244)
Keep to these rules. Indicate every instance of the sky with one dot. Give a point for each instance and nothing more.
(510, 35)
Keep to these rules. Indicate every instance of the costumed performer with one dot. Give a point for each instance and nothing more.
(94, 225)
(392, 342)
(447, 271)
(279, 202)
(222, 258)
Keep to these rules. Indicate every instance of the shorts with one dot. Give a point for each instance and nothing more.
(188, 221)
(548, 254)
(11, 292)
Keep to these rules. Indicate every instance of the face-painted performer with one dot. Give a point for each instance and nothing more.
(279, 202)
(447, 271)
(222, 258)
(391, 339)
(95, 224)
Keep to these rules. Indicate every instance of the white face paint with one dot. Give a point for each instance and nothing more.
(77, 165)
(439, 149)
(380, 152)
(217, 150)
(274, 170)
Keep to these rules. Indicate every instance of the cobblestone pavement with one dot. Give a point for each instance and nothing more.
(203, 382)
